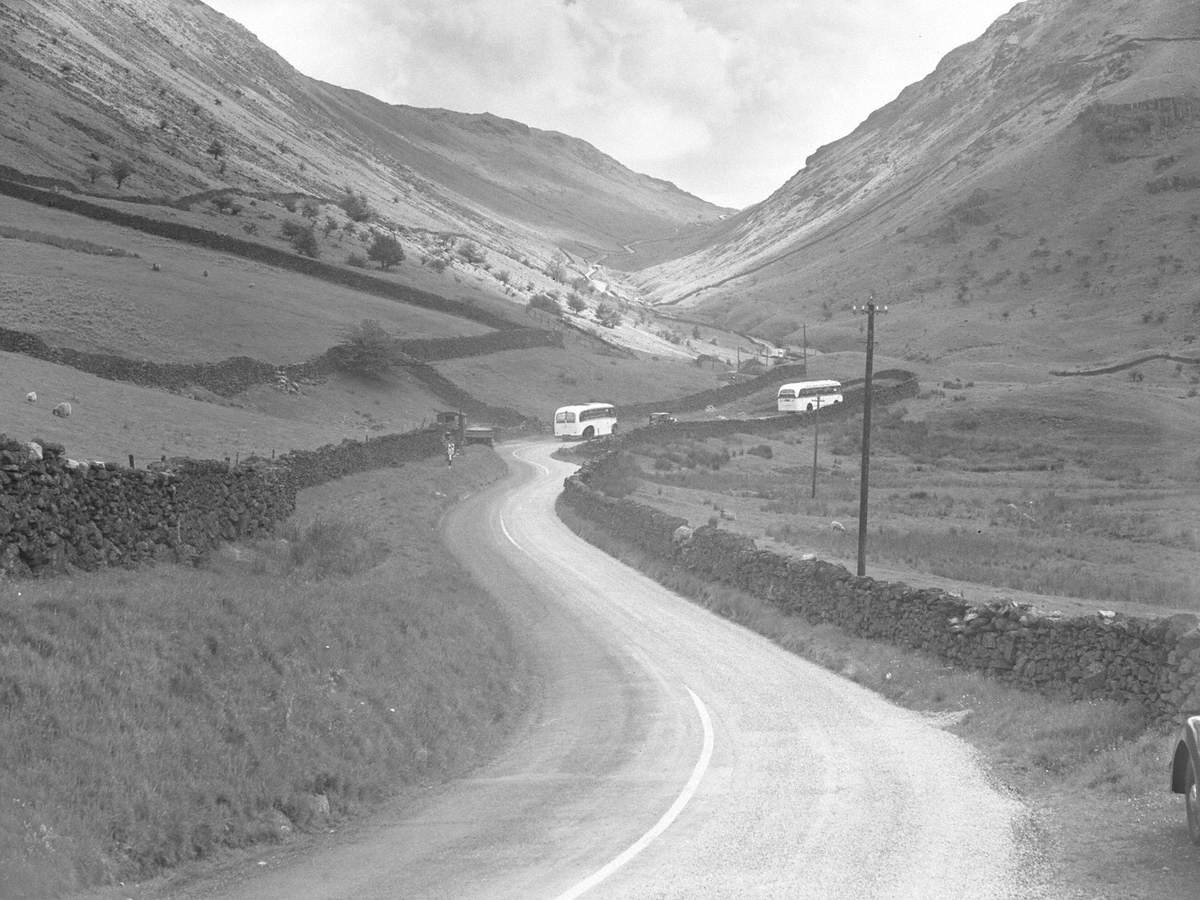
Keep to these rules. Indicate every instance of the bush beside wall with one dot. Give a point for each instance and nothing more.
(1154, 662)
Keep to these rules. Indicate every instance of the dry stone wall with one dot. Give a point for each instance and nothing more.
(1154, 662)
(58, 513)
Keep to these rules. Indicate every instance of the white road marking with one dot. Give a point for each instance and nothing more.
(512, 540)
(681, 801)
(517, 455)
(689, 790)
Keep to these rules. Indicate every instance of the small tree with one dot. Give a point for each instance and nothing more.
(216, 149)
(557, 267)
(120, 170)
(471, 252)
(355, 205)
(386, 251)
(304, 242)
(608, 315)
(93, 172)
(366, 349)
(577, 303)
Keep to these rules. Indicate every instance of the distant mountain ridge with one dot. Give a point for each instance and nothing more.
(159, 81)
(1049, 162)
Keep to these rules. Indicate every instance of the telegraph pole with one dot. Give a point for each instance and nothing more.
(870, 309)
(816, 433)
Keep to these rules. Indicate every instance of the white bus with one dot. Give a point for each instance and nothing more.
(805, 396)
(585, 420)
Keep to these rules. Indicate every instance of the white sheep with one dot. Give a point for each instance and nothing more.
(62, 410)
(31, 397)
(838, 527)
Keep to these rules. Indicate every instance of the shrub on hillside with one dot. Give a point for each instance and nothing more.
(690, 455)
(545, 303)
(386, 251)
(356, 206)
(471, 252)
(608, 315)
(366, 349)
(120, 170)
(305, 243)
(618, 478)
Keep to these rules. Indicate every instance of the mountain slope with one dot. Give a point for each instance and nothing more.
(157, 83)
(1044, 173)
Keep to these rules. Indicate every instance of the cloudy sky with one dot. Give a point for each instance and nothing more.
(723, 97)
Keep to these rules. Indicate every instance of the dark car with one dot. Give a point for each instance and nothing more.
(1184, 774)
(662, 418)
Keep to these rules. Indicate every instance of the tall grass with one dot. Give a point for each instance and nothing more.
(149, 718)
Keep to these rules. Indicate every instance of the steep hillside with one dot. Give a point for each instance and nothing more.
(194, 103)
(1034, 197)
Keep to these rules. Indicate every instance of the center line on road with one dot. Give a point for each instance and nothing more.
(517, 454)
(689, 790)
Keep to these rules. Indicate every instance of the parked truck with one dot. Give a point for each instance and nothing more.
(454, 423)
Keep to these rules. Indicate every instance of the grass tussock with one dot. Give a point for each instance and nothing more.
(153, 717)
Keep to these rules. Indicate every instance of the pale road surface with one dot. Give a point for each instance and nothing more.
(670, 754)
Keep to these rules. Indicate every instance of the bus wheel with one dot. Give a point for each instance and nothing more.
(810, 407)
(589, 433)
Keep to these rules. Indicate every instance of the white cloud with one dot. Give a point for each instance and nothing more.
(725, 99)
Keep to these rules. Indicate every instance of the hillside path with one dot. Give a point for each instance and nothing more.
(667, 753)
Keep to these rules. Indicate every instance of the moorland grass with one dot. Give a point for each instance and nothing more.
(1069, 531)
(149, 718)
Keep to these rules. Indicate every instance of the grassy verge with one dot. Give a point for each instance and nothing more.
(148, 718)
(1093, 775)
(952, 497)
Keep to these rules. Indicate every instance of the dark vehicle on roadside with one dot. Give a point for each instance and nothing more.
(1184, 772)
(662, 418)
(454, 423)
(480, 434)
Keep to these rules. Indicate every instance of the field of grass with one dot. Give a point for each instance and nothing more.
(152, 718)
(111, 420)
(1072, 491)
(200, 306)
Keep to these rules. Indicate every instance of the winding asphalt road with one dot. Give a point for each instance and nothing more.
(669, 753)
